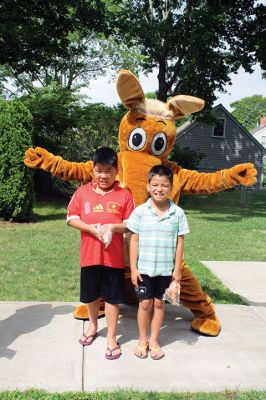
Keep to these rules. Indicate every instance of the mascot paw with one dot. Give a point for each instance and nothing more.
(81, 312)
(245, 174)
(35, 156)
(206, 326)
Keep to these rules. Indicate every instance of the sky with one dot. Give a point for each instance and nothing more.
(103, 90)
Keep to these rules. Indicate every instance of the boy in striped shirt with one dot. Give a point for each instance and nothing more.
(156, 250)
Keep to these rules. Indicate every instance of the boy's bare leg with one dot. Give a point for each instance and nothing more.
(93, 308)
(112, 314)
(156, 323)
(144, 319)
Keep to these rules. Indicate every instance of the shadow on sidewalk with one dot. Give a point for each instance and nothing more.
(26, 320)
(176, 326)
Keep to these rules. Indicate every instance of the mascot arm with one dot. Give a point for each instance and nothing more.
(194, 182)
(40, 158)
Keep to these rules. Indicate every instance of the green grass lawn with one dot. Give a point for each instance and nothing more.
(40, 260)
(130, 395)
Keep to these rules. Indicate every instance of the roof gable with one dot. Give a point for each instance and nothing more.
(183, 129)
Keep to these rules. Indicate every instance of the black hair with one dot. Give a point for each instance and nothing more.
(105, 155)
(161, 170)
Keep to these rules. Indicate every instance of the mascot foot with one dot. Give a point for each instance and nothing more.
(206, 326)
(81, 312)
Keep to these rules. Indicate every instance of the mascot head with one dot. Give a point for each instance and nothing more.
(147, 132)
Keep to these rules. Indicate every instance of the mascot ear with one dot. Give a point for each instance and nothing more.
(184, 105)
(129, 89)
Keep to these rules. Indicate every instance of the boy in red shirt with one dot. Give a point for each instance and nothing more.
(97, 206)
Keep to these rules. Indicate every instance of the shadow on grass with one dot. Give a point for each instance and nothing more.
(49, 210)
(223, 296)
(213, 286)
(228, 203)
(48, 217)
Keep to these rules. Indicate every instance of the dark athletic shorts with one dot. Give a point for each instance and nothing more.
(98, 280)
(153, 287)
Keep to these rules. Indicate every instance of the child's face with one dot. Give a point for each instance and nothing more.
(159, 188)
(104, 175)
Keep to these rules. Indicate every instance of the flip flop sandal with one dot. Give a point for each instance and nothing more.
(156, 357)
(111, 356)
(87, 342)
(141, 349)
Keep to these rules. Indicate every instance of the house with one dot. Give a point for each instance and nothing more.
(224, 144)
(259, 133)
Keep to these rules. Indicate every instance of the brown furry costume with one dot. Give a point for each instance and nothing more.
(146, 136)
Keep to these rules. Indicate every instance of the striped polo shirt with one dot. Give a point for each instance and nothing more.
(158, 235)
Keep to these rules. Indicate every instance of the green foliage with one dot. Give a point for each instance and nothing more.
(16, 185)
(150, 95)
(97, 126)
(66, 127)
(54, 111)
(62, 124)
(185, 157)
(248, 110)
(34, 33)
(194, 44)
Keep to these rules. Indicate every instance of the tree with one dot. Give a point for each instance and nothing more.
(87, 58)
(16, 184)
(37, 32)
(194, 44)
(248, 110)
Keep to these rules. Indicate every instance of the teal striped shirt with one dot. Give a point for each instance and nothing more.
(158, 237)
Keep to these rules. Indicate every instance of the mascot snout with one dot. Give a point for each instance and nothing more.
(136, 166)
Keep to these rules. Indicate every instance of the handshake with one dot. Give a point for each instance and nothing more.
(104, 234)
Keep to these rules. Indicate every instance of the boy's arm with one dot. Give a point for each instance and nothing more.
(133, 255)
(178, 258)
(82, 226)
(118, 228)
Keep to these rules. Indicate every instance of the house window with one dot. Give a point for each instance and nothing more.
(218, 128)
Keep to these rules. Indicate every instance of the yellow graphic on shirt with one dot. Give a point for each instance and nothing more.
(98, 208)
(113, 207)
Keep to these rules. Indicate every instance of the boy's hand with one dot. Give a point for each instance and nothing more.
(94, 231)
(177, 276)
(135, 276)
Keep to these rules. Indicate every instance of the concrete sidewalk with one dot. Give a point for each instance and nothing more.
(39, 349)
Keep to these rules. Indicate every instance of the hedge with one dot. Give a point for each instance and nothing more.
(16, 180)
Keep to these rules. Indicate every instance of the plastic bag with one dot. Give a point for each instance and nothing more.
(172, 293)
(106, 234)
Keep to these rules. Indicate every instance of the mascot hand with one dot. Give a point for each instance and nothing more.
(37, 158)
(243, 174)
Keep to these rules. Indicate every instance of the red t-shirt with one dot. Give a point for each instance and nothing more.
(112, 207)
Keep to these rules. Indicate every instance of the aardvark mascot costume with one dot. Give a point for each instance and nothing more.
(147, 134)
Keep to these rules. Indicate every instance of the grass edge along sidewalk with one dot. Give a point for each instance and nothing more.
(132, 395)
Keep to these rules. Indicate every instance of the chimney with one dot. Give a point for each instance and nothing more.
(263, 120)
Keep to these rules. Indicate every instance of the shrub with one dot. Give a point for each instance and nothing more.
(186, 157)
(16, 183)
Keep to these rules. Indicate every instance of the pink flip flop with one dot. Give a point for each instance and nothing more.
(111, 356)
(87, 342)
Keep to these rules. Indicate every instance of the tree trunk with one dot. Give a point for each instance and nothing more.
(162, 92)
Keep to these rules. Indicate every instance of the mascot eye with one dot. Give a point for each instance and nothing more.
(137, 139)
(158, 144)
